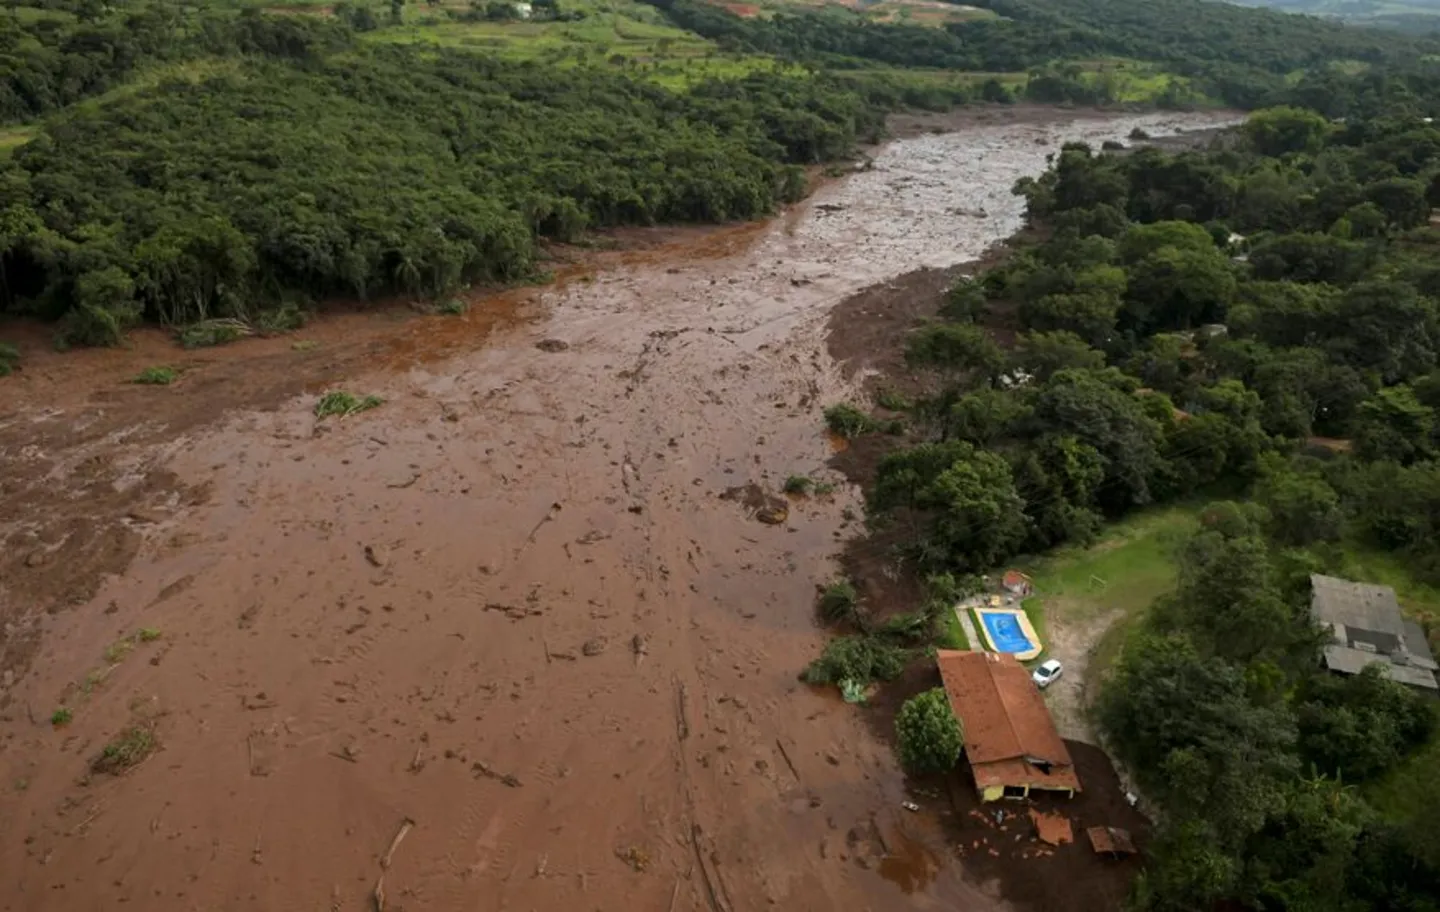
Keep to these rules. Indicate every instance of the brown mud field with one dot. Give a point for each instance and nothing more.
(510, 605)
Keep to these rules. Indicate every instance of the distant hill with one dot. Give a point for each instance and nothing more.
(1406, 15)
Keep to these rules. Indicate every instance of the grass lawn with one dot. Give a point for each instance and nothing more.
(1136, 81)
(1125, 570)
(1128, 568)
(1035, 610)
(952, 635)
(619, 34)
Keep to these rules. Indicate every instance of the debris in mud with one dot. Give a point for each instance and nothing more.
(785, 755)
(376, 555)
(550, 514)
(639, 646)
(405, 826)
(128, 750)
(764, 506)
(829, 207)
(480, 768)
(594, 646)
(682, 720)
(637, 858)
(552, 345)
(772, 516)
(515, 612)
(145, 516)
(349, 752)
(259, 701)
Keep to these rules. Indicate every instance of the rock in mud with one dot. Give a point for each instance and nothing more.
(376, 555)
(552, 345)
(772, 516)
(593, 647)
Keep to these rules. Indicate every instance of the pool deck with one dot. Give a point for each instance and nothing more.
(967, 624)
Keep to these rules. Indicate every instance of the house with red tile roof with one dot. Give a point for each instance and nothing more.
(1011, 742)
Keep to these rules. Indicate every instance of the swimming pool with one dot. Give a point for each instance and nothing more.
(1009, 631)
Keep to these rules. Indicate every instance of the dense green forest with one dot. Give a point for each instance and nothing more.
(189, 162)
(1245, 57)
(297, 172)
(1258, 319)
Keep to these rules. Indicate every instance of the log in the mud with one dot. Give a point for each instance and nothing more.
(405, 826)
(682, 724)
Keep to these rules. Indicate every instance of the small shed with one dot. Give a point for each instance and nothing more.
(1016, 583)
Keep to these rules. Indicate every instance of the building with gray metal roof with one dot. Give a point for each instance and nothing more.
(1366, 627)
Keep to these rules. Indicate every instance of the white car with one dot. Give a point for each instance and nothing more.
(1046, 674)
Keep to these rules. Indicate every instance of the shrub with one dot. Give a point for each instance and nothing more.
(9, 358)
(454, 307)
(130, 747)
(965, 302)
(94, 326)
(839, 602)
(856, 658)
(798, 484)
(848, 421)
(288, 317)
(157, 376)
(927, 733)
(889, 399)
(910, 625)
(343, 404)
(948, 589)
(207, 333)
(61, 716)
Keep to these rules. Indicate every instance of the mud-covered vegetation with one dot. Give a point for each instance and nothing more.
(1257, 319)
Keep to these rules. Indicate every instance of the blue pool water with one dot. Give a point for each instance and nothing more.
(1005, 633)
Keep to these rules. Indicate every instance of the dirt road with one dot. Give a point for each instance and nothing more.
(510, 604)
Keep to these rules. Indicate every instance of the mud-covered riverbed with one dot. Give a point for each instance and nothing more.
(510, 605)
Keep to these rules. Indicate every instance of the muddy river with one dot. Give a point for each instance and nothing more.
(511, 605)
